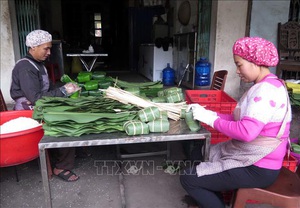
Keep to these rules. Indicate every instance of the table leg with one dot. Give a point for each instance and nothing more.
(86, 66)
(93, 63)
(84, 63)
(207, 148)
(122, 186)
(50, 172)
(45, 179)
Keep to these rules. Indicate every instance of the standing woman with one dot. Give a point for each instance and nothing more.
(30, 82)
(259, 128)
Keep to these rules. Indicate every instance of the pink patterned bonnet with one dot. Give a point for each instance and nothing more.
(256, 50)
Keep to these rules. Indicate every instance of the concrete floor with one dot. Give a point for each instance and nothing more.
(149, 187)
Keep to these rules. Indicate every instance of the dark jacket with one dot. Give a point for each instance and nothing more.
(27, 81)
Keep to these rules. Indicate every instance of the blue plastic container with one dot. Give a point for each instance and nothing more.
(202, 76)
(168, 76)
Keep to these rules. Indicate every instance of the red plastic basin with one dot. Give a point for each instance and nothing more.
(22, 146)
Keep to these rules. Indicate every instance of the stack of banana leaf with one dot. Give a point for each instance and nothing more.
(91, 82)
(91, 112)
(294, 92)
(83, 115)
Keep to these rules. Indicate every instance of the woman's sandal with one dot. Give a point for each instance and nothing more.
(66, 177)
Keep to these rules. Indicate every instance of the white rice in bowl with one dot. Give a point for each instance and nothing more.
(18, 124)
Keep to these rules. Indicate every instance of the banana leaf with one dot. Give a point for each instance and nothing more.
(172, 90)
(134, 127)
(175, 97)
(159, 125)
(133, 90)
(81, 117)
(91, 85)
(65, 78)
(191, 123)
(59, 131)
(95, 93)
(164, 115)
(84, 93)
(158, 99)
(149, 114)
(104, 84)
(124, 84)
(98, 75)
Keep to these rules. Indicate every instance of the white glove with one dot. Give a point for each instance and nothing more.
(71, 88)
(203, 115)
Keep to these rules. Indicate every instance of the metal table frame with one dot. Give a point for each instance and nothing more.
(178, 132)
(82, 55)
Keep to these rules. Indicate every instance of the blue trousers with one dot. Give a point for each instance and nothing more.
(206, 190)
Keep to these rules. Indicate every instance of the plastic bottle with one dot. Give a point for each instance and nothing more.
(202, 76)
(91, 49)
(168, 76)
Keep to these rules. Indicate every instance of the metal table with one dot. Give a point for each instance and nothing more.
(178, 132)
(82, 55)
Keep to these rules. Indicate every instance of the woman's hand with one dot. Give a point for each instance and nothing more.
(203, 115)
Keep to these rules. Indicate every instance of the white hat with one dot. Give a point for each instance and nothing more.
(38, 37)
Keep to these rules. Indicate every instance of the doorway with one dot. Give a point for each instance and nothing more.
(79, 24)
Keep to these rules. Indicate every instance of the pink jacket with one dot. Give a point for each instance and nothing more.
(260, 112)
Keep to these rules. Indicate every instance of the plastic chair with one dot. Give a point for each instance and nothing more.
(53, 72)
(284, 192)
(219, 79)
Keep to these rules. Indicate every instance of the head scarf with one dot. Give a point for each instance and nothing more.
(256, 50)
(38, 37)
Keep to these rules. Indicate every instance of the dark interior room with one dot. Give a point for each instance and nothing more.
(111, 27)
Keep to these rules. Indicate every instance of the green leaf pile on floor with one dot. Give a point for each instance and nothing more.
(84, 115)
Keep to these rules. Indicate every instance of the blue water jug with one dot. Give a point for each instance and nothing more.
(168, 76)
(202, 75)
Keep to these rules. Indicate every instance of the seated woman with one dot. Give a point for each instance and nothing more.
(259, 128)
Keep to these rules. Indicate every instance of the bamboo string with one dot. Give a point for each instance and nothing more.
(173, 109)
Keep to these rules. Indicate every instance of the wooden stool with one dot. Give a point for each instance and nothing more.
(53, 71)
(284, 192)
